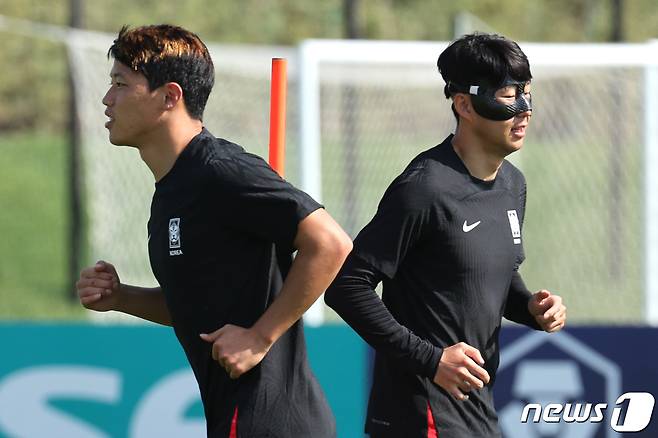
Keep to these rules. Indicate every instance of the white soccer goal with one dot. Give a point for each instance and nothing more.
(358, 111)
(365, 108)
(590, 158)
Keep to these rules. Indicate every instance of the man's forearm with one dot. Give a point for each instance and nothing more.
(516, 307)
(352, 295)
(322, 249)
(145, 303)
(310, 275)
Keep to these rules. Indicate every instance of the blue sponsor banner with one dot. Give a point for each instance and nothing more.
(584, 382)
(89, 381)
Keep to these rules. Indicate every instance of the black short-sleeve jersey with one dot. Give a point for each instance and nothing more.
(447, 246)
(221, 237)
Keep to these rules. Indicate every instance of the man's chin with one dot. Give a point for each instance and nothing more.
(511, 148)
(116, 141)
(516, 146)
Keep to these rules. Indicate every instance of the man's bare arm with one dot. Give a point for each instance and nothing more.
(322, 247)
(100, 289)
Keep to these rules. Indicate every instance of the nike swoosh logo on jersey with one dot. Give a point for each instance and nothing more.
(466, 227)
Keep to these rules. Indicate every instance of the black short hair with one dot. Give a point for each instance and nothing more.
(482, 59)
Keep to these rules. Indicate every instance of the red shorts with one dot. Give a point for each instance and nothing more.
(234, 425)
(431, 427)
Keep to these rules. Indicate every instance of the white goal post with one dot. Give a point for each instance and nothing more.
(358, 111)
(632, 63)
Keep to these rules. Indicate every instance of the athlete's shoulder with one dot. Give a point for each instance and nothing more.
(439, 170)
(513, 177)
(230, 170)
(438, 165)
(214, 148)
(424, 181)
(225, 160)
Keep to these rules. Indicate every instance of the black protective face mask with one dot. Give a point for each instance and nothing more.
(486, 104)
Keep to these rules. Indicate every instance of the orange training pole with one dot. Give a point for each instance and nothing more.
(278, 115)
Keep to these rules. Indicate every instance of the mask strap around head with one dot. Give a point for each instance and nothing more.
(487, 106)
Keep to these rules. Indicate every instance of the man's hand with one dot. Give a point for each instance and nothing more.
(98, 287)
(548, 311)
(237, 349)
(460, 370)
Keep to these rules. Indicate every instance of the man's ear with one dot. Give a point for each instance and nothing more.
(463, 106)
(173, 94)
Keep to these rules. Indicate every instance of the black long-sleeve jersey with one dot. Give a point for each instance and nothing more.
(221, 236)
(447, 247)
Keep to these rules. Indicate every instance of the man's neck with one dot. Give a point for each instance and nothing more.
(478, 160)
(161, 150)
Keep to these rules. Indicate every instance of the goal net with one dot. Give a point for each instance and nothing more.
(589, 158)
(359, 111)
(118, 186)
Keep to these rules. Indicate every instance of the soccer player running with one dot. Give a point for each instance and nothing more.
(222, 231)
(446, 242)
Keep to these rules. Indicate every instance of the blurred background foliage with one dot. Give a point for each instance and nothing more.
(34, 94)
(33, 99)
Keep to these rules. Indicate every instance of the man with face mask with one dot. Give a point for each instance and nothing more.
(446, 241)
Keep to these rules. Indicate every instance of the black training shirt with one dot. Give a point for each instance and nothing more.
(221, 237)
(447, 247)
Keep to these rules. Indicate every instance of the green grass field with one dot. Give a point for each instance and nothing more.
(568, 234)
(33, 198)
(571, 226)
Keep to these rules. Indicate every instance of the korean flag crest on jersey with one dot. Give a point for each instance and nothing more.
(174, 236)
(514, 226)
